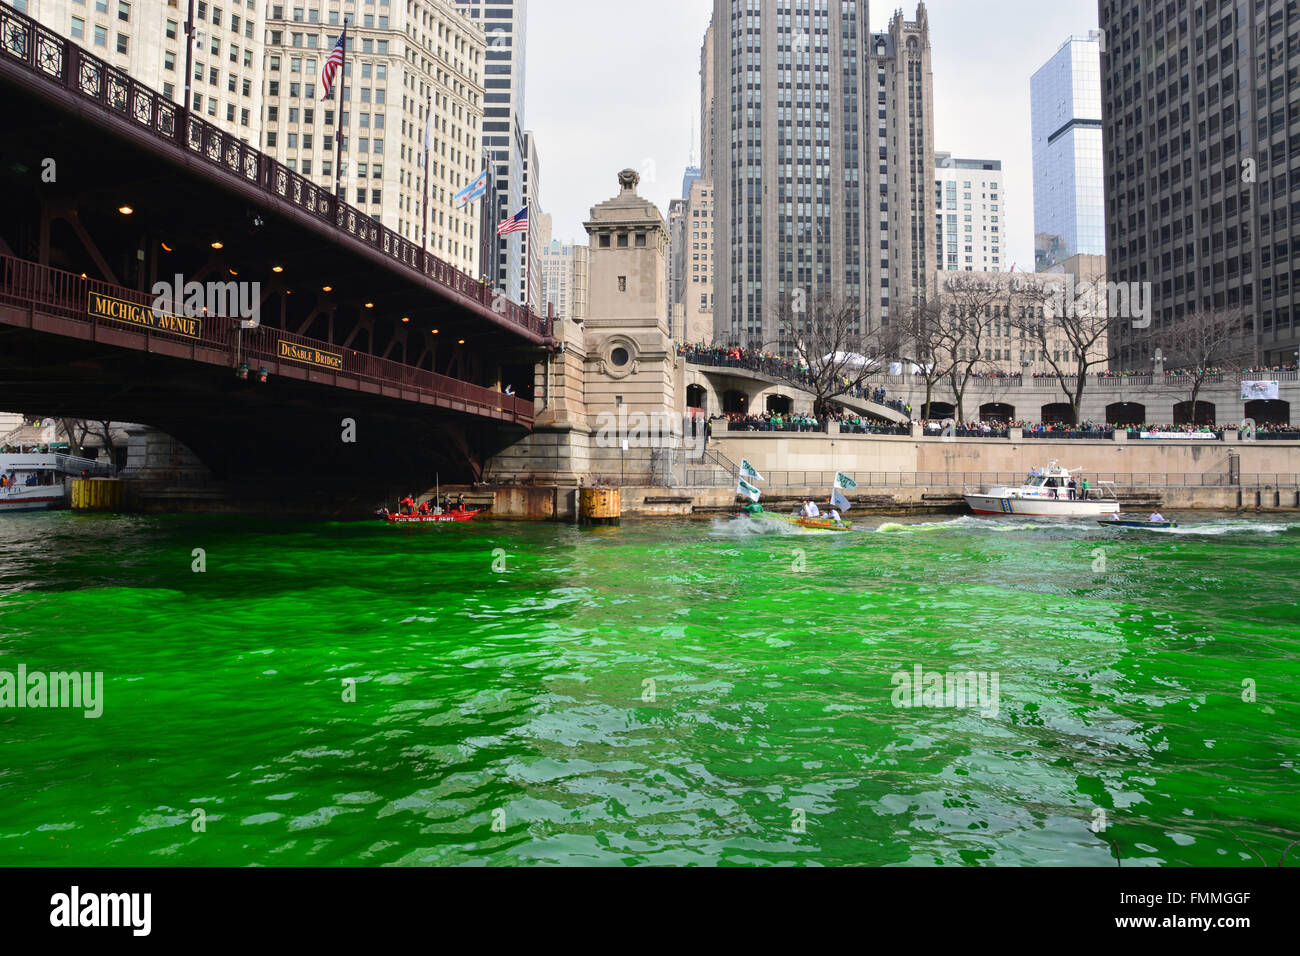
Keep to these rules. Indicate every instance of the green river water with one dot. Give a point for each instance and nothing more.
(670, 692)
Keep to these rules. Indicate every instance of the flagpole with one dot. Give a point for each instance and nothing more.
(424, 147)
(338, 138)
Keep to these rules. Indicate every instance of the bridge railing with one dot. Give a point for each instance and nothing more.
(61, 61)
(30, 285)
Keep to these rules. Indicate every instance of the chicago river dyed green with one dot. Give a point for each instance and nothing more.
(668, 692)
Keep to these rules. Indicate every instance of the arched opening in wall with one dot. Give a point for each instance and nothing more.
(778, 404)
(734, 402)
(1202, 415)
(1057, 413)
(1126, 413)
(519, 379)
(696, 396)
(938, 410)
(997, 412)
(1269, 411)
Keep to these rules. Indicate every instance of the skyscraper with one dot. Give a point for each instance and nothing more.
(1065, 106)
(822, 161)
(146, 39)
(970, 215)
(535, 239)
(403, 63)
(1201, 194)
(504, 24)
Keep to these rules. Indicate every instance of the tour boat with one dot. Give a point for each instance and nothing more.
(35, 482)
(1121, 521)
(1044, 495)
(435, 518)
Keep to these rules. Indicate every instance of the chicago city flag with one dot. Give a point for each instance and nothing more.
(477, 187)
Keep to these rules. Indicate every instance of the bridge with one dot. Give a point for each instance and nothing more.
(741, 389)
(112, 188)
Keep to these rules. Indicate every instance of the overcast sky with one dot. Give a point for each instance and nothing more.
(615, 83)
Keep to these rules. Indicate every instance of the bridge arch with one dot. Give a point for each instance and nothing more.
(1202, 415)
(997, 412)
(697, 396)
(1269, 411)
(1054, 413)
(735, 402)
(1126, 413)
(938, 410)
(779, 404)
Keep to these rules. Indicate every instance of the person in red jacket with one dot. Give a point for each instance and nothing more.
(407, 505)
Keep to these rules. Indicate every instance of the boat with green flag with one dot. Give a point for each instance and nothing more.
(808, 516)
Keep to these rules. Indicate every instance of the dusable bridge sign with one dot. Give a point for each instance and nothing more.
(309, 355)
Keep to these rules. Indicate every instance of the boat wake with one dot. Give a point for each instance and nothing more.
(748, 527)
(1229, 526)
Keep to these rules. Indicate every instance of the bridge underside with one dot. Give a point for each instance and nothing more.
(94, 193)
(280, 443)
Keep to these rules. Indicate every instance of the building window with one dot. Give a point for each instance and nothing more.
(123, 11)
(122, 42)
(78, 28)
(622, 286)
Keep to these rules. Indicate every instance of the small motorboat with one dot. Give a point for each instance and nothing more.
(821, 523)
(1121, 521)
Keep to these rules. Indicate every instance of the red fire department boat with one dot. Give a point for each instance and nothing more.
(453, 515)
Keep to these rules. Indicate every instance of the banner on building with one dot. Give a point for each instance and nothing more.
(1253, 390)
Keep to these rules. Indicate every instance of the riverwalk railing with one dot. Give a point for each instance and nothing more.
(60, 62)
(66, 294)
(868, 480)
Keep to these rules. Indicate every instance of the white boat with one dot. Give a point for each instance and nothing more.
(37, 481)
(1044, 494)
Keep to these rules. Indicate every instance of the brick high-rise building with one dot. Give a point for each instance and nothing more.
(822, 159)
(1200, 132)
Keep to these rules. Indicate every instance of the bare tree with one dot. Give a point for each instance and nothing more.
(918, 340)
(1053, 311)
(1202, 343)
(825, 336)
(967, 308)
(76, 430)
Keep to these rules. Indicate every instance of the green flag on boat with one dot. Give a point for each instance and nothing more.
(844, 481)
(745, 488)
(749, 471)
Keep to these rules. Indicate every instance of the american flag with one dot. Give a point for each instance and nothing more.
(516, 223)
(332, 64)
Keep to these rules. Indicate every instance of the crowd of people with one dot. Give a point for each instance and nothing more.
(757, 360)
